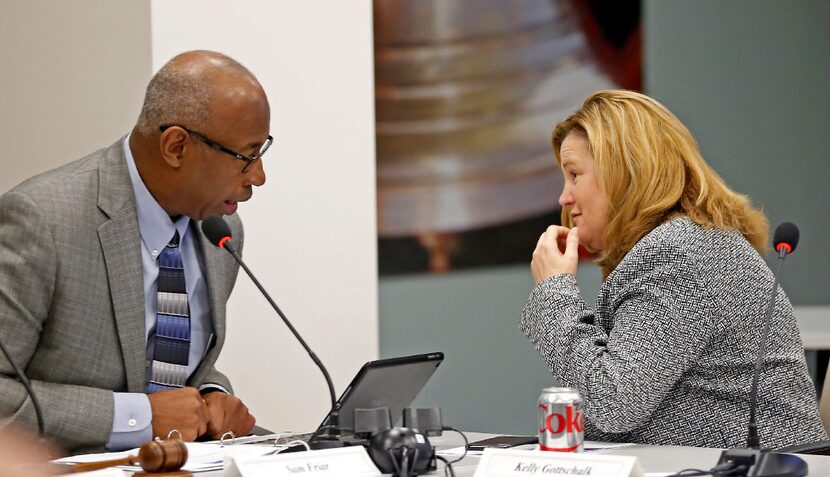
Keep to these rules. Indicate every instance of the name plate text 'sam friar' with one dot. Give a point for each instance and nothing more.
(339, 462)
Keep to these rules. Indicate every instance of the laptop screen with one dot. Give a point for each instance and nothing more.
(393, 383)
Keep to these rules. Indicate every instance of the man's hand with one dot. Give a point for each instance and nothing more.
(181, 409)
(556, 253)
(227, 413)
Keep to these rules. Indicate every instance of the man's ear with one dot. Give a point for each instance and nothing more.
(172, 144)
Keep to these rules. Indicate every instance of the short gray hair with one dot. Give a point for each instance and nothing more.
(181, 94)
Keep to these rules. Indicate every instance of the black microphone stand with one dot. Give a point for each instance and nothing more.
(761, 462)
(331, 439)
(752, 439)
(26, 384)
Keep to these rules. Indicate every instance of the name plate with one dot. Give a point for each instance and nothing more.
(343, 461)
(518, 463)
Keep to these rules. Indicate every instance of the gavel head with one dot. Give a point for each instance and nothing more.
(162, 456)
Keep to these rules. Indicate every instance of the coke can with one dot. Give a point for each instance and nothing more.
(561, 422)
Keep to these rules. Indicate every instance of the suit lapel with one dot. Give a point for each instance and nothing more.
(211, 270)
(120, 242)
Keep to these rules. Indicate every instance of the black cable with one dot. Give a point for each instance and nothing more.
(291, 328)
(25, 381)
(320, 429)
(447, 466)
(725, 469)
(730, 469)
(466, 443)
(690, 473)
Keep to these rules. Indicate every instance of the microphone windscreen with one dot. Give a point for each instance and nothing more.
(216, 230)
(786, 233)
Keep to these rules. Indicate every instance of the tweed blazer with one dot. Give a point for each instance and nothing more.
(72, 297)
(667, 356)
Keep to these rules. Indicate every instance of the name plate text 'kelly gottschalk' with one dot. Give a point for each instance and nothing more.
(519, 463)
(340, 462)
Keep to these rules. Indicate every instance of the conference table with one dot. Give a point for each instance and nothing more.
(654, 459)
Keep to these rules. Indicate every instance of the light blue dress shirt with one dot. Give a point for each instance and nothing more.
(132, 419)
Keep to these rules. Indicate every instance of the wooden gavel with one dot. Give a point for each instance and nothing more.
(155, 457)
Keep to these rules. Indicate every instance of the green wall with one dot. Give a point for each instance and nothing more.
(750, 80)
(491, 375)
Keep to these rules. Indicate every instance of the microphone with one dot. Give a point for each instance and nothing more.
(26, 384)
(766, 463)
(219, 233)
(785, 239)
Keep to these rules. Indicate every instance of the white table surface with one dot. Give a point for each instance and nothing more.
(654, 459)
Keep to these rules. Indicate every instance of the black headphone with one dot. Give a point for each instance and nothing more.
(400, 451)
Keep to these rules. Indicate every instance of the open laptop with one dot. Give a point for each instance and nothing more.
(392, 383)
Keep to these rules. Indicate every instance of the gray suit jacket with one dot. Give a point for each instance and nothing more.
(668, 355)
(72, 297)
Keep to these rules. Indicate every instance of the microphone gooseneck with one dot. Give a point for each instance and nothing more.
(219, 233)
(26, 384)
(752, 439)
(784, 241)
(738, 462)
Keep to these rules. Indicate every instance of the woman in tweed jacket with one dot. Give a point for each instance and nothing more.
(667, 355)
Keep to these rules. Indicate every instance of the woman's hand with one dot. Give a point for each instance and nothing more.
(549, 259)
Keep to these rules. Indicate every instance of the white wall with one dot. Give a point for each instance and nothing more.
(310, 231)
(72, 78)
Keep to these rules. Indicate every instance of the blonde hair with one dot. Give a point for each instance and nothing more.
(650, 168)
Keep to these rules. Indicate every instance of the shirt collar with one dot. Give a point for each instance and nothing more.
(155, 226)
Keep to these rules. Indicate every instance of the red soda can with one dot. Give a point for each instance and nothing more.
(561, 422)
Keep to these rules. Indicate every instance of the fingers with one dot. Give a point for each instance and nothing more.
(241, 421)
(180, 409)
(192, 401)
(556, 253)
(229, 414)
(572, 244)
(248, 425)
(217, 412)
(552, 240)
(204, 413)
(555, 234)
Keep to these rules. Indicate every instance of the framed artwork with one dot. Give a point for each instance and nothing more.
(467, 93)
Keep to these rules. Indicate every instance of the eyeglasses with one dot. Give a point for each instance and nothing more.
(248, 160)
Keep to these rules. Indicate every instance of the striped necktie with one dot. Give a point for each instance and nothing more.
(171, 337)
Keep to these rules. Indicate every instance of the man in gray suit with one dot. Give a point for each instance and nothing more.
(110, 298)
